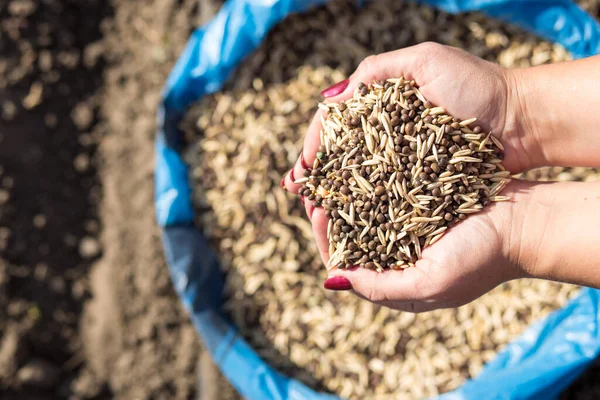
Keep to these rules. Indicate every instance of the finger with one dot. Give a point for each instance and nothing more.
(319, 224)
(405, 62)
(308, 207)
(402, 286)
(305, 161)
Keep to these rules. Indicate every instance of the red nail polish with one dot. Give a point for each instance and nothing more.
(292, 175)
(337, 283)
(302, 162)
(282, 183)
(336, 89)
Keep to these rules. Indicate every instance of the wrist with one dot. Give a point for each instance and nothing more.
(552, 231)
(528, 126)
(521, 244)
(536, 231)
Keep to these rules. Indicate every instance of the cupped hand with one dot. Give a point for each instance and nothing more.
(473, 257)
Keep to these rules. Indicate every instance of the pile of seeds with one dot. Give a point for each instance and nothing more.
(394, 173)
(244, 138)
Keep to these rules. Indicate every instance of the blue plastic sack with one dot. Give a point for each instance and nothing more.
(545, 359)
(539, 364)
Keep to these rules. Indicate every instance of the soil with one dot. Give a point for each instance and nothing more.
(50, 191)
(87, 310)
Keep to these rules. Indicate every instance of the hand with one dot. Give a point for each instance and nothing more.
(475, 256)
(472, 257)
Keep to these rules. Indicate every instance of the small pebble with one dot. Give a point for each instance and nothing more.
(39, 373)
(89, 247)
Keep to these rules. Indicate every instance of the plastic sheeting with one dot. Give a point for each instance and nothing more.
(539, 364)
(545, 359)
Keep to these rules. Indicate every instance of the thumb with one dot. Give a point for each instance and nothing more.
(402, 286)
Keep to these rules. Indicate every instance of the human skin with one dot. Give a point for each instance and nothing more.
(543, 116)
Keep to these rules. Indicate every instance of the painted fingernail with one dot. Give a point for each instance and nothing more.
(282, 183)
(302, 162)
(337, 283)
(292, 175)
(336, 89)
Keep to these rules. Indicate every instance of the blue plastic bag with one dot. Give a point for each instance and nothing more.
(539, 364)
(545, 359)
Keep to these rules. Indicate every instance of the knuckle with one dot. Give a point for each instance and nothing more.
(428, 290)
(375, 293)
(375, 296)
(422, 289)
(431, 292)
(430, 47)
(369, 63)
(431, 51)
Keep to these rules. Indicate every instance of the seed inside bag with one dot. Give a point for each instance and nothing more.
(243, 139)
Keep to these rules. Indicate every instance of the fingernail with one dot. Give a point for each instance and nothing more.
(302, 162)
(336, 89)
(282, 183)
(337, 283)
(292, 175)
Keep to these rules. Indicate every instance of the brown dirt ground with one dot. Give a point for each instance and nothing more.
(146, 337)
(50, 190)
(87, 310)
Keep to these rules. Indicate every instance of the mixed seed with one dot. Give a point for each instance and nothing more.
(394, 173)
